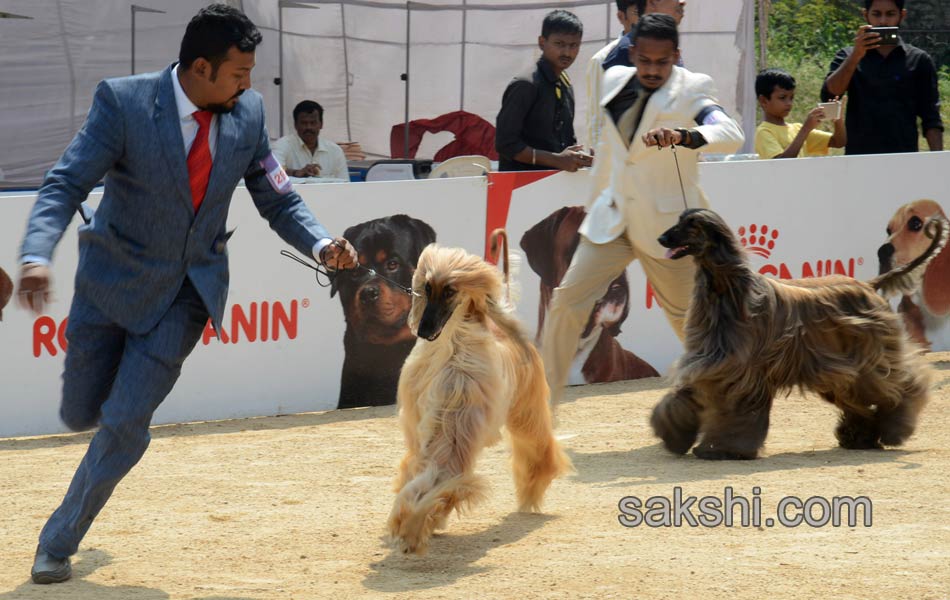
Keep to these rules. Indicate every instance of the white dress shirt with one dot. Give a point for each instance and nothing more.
(293, 153)
(188, 123)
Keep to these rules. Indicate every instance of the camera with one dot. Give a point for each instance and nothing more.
(889, 35)
(832, 110)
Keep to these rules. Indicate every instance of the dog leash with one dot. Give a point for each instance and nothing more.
(329, 273)
(680, 175)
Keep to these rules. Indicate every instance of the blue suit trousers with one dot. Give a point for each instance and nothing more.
(116, 379)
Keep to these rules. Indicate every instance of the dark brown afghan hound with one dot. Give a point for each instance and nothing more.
(749, 337)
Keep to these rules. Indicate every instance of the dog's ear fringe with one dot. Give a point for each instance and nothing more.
(905, 280)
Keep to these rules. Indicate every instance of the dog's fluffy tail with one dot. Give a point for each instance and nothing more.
(906, 278)
(425, 503)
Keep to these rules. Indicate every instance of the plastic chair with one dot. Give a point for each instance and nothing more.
(473, 165)
(390, 171)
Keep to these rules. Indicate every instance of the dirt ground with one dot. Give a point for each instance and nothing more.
(294, 507)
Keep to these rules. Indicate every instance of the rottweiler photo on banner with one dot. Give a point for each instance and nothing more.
(376, 307)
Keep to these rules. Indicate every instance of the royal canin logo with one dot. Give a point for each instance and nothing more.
(760, 240)
(249, 323)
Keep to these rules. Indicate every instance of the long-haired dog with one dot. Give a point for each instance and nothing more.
(471, 371)
(749, 337)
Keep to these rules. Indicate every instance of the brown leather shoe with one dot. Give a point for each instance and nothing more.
(49, 569)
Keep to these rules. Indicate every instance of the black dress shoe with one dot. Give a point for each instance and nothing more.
(49, 569)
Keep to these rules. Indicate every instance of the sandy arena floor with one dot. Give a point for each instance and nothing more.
(294, 507)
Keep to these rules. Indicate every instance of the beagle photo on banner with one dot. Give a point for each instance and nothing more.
(926, 311)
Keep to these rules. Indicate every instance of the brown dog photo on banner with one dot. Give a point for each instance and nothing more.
(926, 310)
(6, 290)
(377, 338)
(549, 246)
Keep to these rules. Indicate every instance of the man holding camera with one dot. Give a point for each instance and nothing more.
(889, 84)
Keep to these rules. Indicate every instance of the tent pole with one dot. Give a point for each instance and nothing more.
(763, 33)
(132, 70)
(280, 64)
(462, 76)
(405, 78)
(346, 71)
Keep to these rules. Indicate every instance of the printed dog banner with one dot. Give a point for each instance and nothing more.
(282, 348)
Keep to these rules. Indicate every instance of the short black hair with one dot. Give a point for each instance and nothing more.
(899, 3)
(656, 26)
(561, 21)
(623, 5)
(212, 32)
(307, 106)
(641, 7)
(768, 79)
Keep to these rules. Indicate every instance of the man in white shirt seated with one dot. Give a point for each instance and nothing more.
(305, 154)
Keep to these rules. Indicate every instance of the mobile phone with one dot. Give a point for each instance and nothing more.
(889, 35)
(832, 110)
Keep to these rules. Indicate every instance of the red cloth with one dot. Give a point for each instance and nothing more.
(199, 159)
(473, 135)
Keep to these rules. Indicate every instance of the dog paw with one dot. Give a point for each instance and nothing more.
(854, 436)
(710, 452)
(678, 434)
(861, 444)
(678, 444)
(410, 542)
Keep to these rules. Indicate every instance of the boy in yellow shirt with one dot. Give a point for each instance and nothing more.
(774, 138)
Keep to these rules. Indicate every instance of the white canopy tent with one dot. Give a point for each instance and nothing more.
(349, 55)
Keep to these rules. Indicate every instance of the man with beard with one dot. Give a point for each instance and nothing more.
(172, 146)
(535, 126)
(305, 153)
(637, 191)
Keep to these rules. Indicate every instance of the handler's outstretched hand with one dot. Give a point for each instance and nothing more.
(662, 137)
(339, 255)
(33, 289)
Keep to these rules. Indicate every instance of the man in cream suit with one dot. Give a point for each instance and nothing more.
(637, 192)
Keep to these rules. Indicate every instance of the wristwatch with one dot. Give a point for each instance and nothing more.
(686, 137)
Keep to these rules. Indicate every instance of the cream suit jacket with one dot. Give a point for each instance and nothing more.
(636, 189)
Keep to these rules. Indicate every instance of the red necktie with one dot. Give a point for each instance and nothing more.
(199, 158)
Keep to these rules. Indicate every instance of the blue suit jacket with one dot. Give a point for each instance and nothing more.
(145, 238)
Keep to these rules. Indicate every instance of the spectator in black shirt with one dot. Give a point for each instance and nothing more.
(888, 87)
(535, 126)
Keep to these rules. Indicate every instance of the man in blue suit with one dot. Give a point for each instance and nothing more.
(172, 146)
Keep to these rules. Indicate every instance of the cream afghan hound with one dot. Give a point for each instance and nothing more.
(471, 371)
(749, 337)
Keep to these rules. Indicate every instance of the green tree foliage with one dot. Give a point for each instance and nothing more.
(804, 35)
(812, 29)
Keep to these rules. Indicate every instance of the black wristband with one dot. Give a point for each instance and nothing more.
(686, 137)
